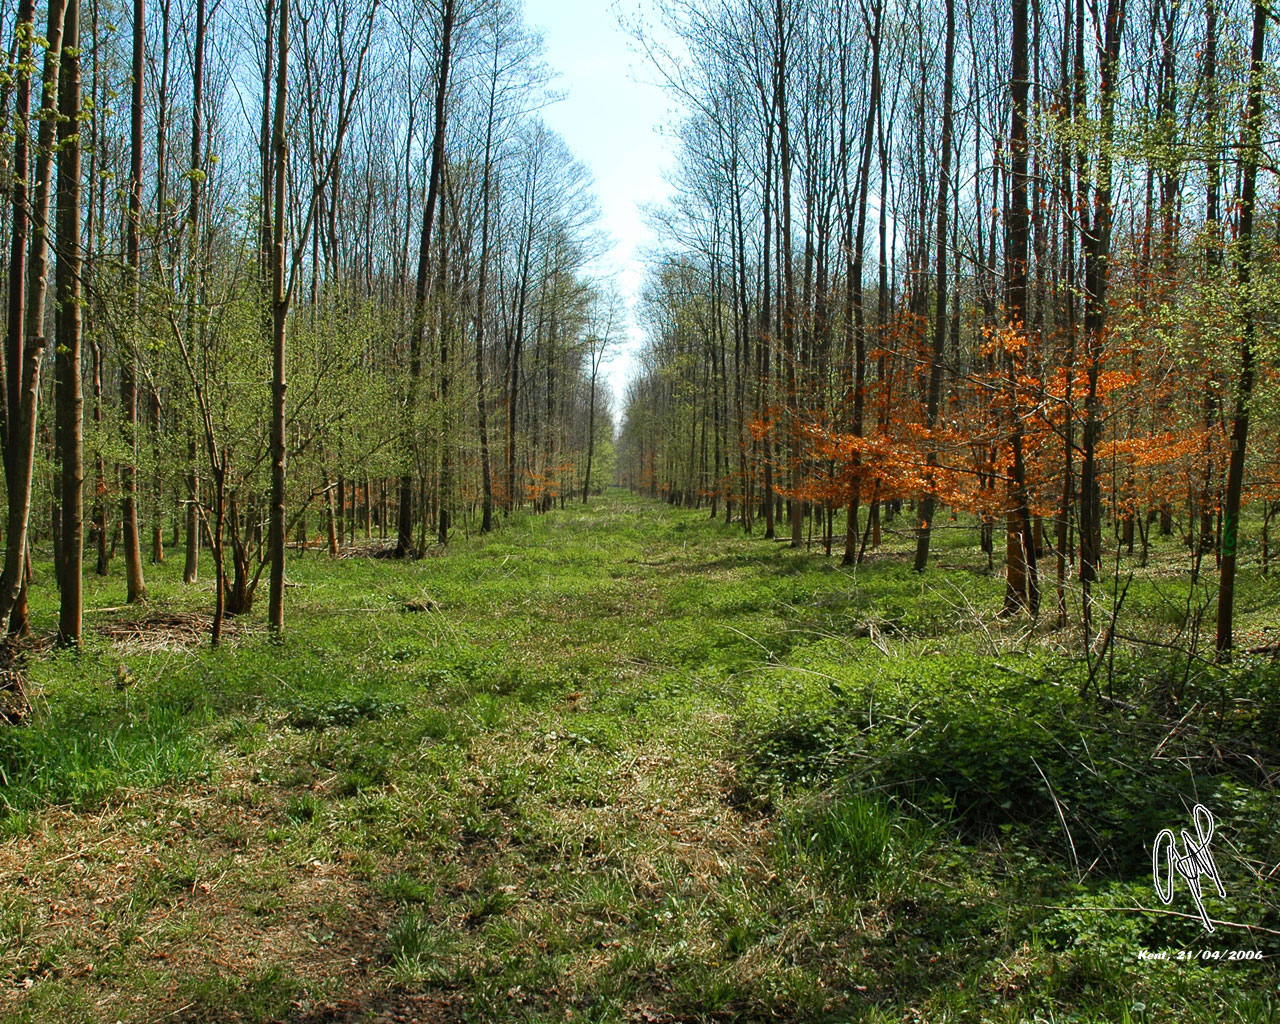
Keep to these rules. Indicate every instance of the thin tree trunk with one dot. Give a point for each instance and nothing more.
(70, 412)
(1097, 254)
(162, 181)
(13, 365)
(19, 469)
(855, 346)
(279, 315)
(404, 542)
(788, 309)
(137, 589)
(1244, 388)
(482, 413)
(13, 362)
(1213, 260)
(940, 316)
(591, 432)
(191, 551)
(1021, 585)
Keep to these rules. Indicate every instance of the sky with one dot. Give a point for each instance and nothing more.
(613, 120)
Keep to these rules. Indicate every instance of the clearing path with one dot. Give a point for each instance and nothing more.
(526, 779)
(519, 796)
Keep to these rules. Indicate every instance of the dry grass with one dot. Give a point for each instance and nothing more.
(162, 631)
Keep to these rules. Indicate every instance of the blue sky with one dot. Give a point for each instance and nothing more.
(613, 120)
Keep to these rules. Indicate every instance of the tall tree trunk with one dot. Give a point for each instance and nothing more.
(765, 343)
(191, 550)
(137, 588)
(788, 310)
(264, 157)
(13, 610)
(1021, 586)
(1097, 255)
(481, 315)
(404, 541)
(1213, 260)
(279, 316)
(70, 411)
(1244, 386)
(24, 32)
(940, 315)
(12, 366)
(444, 491)
(23, 437)
(1069, 300)
(162, 210)
(855, 343)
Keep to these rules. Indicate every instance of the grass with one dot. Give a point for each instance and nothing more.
(634, 766)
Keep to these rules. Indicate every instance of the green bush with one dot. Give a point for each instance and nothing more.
(979, 749)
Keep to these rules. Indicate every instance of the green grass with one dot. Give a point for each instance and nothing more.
(633, 765)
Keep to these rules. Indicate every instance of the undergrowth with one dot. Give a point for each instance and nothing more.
(621, 763)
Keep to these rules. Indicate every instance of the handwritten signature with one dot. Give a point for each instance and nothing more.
(1191, 862)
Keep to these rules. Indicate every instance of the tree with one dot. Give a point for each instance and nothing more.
(70, 399)
(940, 317)
(195, 175)
(599, 337)
(20, 422)
(279, 321)
(1021, 586)
(1097, 256)
(404, 542)
(129, 349)
(1250, 150)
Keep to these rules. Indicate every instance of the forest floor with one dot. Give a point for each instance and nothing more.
(622, 763)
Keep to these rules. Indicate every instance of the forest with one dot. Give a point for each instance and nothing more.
(871, 656)
(1021, 271)
(320, 273)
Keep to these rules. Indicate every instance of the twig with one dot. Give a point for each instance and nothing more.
(171, 1013)
(1075, 862)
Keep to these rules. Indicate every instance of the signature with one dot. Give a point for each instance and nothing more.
(1192, 861)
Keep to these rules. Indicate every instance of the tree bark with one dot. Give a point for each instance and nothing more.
(1021, 586)
(279, 316)
(855, 345)
(70, 411)
(19, 450)
(191, 562)
(1244, 386)
(12, 366)
(137, 589)
(940, 316)
(404, 541)
(481, 314)
(1097, 254)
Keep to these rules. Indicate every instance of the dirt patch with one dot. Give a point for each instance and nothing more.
(395, 1008)
(192, 887)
